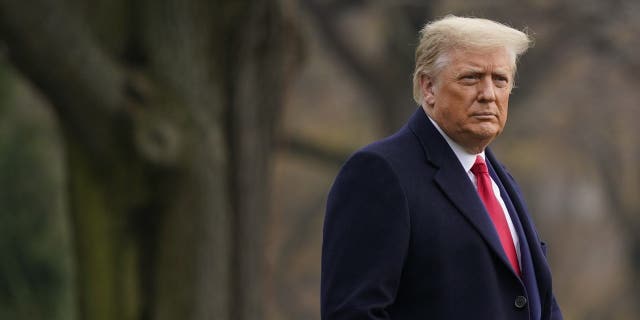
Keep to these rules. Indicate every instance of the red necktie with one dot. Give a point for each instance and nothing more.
(495, 211)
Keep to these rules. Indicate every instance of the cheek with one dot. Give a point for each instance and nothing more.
(504, 97)
(504, 111)
(503, 103)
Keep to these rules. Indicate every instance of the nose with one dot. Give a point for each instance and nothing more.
(486, 90)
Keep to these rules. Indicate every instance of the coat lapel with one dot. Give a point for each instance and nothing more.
(454, 181)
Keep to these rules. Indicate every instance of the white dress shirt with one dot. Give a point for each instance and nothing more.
(467, 160)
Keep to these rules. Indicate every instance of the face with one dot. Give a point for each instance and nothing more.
(469, 98)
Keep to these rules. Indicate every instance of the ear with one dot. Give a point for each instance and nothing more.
(427, 87)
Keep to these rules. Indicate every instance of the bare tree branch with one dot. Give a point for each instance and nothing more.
(308, 149)
(372, 82)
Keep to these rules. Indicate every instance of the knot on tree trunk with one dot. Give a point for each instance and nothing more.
(157, 140)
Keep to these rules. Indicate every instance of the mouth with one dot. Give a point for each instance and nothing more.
(484, 115)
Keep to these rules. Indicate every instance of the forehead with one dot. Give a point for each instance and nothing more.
(497, 59)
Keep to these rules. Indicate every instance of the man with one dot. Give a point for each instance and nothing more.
(427, 224)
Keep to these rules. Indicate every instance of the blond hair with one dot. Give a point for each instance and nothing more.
(439, 37)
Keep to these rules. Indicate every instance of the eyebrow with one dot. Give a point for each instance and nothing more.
(474, 70)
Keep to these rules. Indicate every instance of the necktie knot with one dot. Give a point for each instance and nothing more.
(479, 166)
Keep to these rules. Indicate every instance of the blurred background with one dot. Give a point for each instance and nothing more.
(170, 159)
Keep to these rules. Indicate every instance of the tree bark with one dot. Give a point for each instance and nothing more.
(256, 104)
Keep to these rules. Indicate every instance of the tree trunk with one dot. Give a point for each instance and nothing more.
(169, 126)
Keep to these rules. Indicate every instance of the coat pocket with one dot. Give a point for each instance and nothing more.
(543, 246)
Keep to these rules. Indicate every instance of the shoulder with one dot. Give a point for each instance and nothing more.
(366, 166)
(379, 163)
(368, 185)
(399, 147)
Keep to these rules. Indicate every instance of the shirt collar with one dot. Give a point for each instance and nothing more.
(466, 159)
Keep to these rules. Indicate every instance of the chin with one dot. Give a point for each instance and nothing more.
(486, 132)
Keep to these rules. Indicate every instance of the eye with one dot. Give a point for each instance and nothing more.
(469, 78)
(501, 81)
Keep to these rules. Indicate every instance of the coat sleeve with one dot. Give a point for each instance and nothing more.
(365, 240)
(556, 314)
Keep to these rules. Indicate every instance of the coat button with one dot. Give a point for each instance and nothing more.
(521, 302)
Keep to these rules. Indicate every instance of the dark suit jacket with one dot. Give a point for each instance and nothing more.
(407, 237)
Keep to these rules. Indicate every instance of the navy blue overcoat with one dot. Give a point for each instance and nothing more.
(406, 237)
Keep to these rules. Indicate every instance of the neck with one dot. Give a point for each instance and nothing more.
(474, 148)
